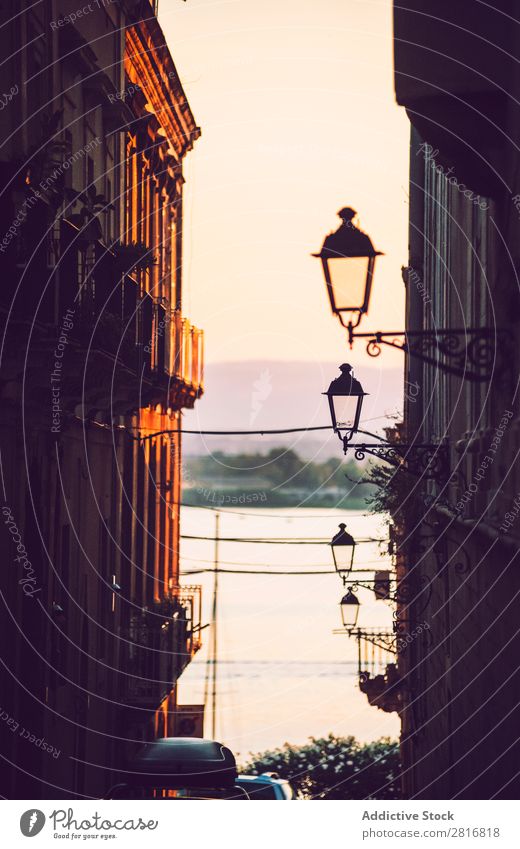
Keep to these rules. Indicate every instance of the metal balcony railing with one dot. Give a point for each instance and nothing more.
(161, 641)
(114, 313)
(177, 346)
(187, 352)
(377, 668)
(376, 649)
(190, 597)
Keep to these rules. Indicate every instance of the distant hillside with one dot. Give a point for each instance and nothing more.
(278, 478)
(270, 394)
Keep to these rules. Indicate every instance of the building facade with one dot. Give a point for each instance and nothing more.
(457, 542)
(96, 358)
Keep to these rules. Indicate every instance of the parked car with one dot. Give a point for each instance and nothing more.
(180, 768)
(265, 786)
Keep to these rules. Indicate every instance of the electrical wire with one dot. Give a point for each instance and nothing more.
(175, 431)
(266, 565)
(265, 432)
(267, 572)
(275, 541)
(256, 572)
(234, 432)
(263, 572)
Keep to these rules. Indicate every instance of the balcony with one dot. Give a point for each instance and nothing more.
(377, 669)
(124, 351)
(160, 642)
(175, 352)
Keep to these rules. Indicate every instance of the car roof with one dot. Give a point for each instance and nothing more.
(261, 779)
(177, 761)
(189, 748)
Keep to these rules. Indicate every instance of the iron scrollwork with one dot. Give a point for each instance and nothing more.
(404, 592)
(383, 639)
(436, 544)
(431, 462)
(474, 354)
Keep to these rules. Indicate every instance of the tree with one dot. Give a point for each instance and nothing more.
(335, 768)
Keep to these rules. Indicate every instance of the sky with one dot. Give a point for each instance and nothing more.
(296, 104)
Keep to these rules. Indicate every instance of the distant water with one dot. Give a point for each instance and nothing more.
(282, 673)
(280, 668)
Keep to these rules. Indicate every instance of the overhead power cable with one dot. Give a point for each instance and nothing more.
(183, 557)
(255, 572)
(275, 541)
(268, 572)
(264, 432)
(174, 431)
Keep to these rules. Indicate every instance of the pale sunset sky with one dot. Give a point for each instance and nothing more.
(296, 104)
(295, 101)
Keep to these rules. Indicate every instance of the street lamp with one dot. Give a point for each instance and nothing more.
(348, 258)
(345, 396)
(343, 546)
(349, 606)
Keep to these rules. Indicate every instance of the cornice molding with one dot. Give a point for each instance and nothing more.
(149, 64)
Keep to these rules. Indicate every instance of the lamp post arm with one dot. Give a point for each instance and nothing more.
(430, 461)
(400, 592)
(473, 353)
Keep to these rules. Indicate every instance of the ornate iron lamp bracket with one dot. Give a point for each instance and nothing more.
(404, 591)
(475, 354)
(431, 462)
(461, 562)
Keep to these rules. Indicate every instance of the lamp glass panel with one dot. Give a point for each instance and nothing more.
(350, 613)
(348, 277)
(343, 557)
(345, 408)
